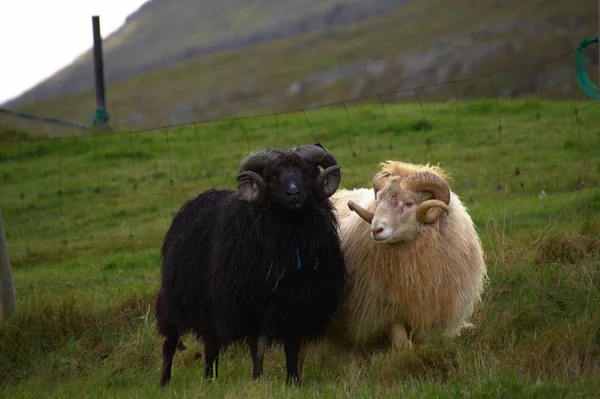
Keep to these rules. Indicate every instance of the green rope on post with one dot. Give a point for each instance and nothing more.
(98, 119)
(101, 118)
(26, 115)
(583, 79)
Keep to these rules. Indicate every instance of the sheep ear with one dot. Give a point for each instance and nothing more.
(366, 215)
(251, 188)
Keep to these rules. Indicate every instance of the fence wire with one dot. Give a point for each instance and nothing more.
(64, 196)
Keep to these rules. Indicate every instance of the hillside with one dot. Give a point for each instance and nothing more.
(421, 43)
(163, 32)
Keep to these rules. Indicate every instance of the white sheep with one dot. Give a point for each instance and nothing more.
(420, 266)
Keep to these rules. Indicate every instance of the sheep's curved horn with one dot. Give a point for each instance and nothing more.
(251, 187)
(424, 217)
(329, 180)
(362, 212)
(431, 182)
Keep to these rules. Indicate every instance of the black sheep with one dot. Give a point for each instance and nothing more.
(261, 265)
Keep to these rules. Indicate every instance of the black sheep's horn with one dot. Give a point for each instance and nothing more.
(329, 180)
(251, 187)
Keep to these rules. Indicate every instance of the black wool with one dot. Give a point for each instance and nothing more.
(235, 270)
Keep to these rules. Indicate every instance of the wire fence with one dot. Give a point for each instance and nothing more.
(524, 162)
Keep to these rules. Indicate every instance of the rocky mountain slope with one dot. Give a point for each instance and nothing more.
(164, 32)
(362, 49)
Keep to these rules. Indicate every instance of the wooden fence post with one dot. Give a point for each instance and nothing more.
(7, 289)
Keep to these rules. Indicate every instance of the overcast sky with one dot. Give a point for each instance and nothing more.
(39, 37)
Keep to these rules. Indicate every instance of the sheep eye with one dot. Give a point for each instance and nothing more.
(408, 204)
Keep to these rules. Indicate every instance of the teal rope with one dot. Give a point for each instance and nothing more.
(97, 119)
(101, 117)
(25, 115)
(584, 81)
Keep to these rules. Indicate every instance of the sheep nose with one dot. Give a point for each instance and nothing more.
(292, 191)
(376, 231)
(380, 232)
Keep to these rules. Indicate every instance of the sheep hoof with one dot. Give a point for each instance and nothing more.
(398, 336)
(401, 345)
(292, 380)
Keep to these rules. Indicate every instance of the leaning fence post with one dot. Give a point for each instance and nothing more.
(7, 289)
(101, 118)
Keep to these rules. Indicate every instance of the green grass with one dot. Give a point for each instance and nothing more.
(85, 324)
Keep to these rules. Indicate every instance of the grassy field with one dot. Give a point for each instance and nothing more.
(85, 217)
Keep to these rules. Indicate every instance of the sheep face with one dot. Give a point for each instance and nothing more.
(395, 218)
(403, 204)
(288, 180)
(290, 186)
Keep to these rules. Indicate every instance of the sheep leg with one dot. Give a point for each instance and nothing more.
(211, 359)
(291, 346)
(398, 336)
(258, 347)
(301, 359)
(168, 352)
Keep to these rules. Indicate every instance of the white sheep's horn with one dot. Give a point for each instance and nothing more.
(439, 208)
(362, 212)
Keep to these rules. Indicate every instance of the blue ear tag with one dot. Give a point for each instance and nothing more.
(298, 261)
